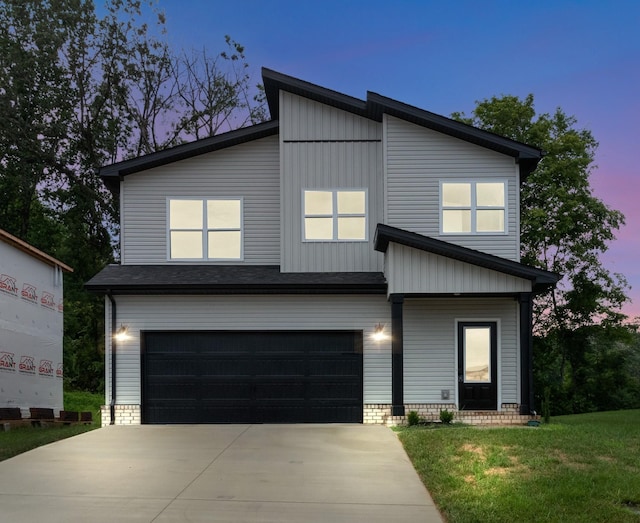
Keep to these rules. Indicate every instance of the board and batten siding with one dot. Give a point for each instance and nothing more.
(246, 313)
(418, 159)
(430, 350)
(302, 119)
(410, 270)
(250, 171)
(326, 148)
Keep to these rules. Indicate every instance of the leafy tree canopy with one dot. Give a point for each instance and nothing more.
(78, 91)
(564, 227)
(585, 357)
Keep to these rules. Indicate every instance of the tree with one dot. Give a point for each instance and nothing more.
(33, 107)
(78, 92)
(564, 229)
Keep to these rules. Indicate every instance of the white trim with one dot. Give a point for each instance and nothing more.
(473, 209)
(335, 216)
(204, 230)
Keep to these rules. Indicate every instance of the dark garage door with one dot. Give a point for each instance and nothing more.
(252, 377)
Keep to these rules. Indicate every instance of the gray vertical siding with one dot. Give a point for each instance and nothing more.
(331, 149)
(250, 171)
(430, 350)
(417, 159)
(254, 313)
(307, 120)
(410, 270)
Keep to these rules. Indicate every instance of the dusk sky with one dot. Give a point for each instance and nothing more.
(443, 56)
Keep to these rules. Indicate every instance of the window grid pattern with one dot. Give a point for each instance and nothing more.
(473, 207)
(205, 229)
(335, 215)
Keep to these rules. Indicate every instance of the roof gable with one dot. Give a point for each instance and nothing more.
(373, 108)
(377, 105)
(23, 246)
(541, 279)
(112, 174)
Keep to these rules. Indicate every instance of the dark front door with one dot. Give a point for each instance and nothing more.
(252, 377)
(477, 365)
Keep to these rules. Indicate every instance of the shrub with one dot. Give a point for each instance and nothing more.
(413, 418)
(446, 416)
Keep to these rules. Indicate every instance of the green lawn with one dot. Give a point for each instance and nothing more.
(22, 439)
(579, 468)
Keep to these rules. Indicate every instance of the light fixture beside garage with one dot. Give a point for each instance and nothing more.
(378, 333)
(122, 333)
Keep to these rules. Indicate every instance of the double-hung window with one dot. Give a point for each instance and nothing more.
(473, 207)
(205, 229)
(335, 215)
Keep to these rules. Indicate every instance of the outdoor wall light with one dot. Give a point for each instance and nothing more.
(122, 333)
(378, 332)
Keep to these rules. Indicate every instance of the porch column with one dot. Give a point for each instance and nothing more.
(525, 300)
(397, 340)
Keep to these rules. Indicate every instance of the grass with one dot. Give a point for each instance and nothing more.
(577, 468)
(21, 439)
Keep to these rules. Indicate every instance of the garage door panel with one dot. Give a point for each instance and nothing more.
(173, 365)
(225, 390)
(280, 390)
(222, 366)
(252, 377)
(281, 366)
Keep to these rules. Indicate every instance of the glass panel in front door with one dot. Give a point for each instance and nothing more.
(477, 354)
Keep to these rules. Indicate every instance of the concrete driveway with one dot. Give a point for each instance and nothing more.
(226, 473)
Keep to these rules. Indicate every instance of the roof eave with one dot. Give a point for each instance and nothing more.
(541, 280)
(223, 289)
(25, 247)
(526, 155)
(274, 82)
(113, 174)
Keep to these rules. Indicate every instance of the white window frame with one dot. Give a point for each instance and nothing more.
(205, 229)
(473, 208)
(335, 215)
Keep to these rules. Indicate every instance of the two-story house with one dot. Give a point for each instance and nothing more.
(346, 261)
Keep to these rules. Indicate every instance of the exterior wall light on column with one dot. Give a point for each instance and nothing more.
(378, 333)
(122, 333)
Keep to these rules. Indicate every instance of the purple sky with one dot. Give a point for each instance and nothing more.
(442, 56)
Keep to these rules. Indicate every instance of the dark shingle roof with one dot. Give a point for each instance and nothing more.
(541, 279)
(230, 279)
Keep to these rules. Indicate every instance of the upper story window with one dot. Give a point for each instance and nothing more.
(339, 215)
(473, 207)
(205, 229)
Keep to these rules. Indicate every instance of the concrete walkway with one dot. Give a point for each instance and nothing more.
(217, 473)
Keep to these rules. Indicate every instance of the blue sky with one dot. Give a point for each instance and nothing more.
(443, 56)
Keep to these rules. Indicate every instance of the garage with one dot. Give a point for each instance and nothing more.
(252, 377)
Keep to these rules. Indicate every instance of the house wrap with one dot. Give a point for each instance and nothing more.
(31, 326)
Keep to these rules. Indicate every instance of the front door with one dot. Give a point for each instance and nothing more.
(477, 365)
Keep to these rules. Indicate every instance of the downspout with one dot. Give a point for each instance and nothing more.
(112, 403)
